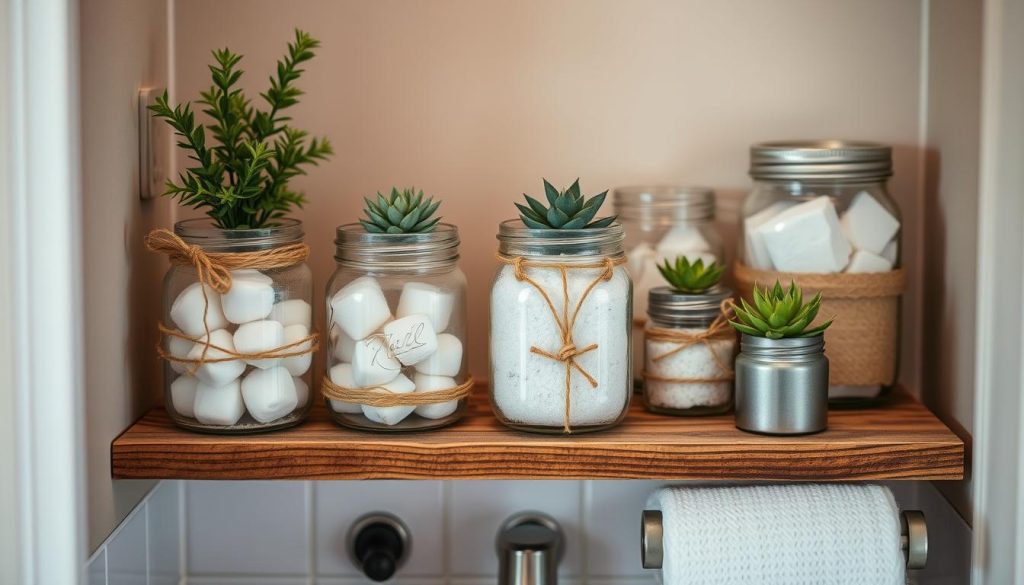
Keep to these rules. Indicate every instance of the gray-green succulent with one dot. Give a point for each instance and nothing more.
(567, 210)
(403, 212)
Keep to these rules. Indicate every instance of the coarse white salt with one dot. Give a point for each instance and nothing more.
(693, 362)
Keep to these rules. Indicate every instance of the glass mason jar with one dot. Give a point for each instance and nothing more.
(662, 222)
(688, 353)
(558, 364)
(823, 208)
(264, 311)
(396, 305)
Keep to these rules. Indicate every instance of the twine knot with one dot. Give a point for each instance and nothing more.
(567, 352)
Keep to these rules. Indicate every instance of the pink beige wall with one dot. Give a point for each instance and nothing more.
(476, 101)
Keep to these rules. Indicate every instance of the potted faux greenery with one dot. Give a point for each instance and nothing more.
(781, 371)
(688, 344)
(237, 331)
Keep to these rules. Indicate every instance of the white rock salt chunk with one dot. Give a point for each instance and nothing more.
(446, 361)
(891, 251)
(756, 253)
(637, 259)
(178, 348)
(269, 394)
(183, 395)
(299, 364)
(342, 345)
(219, 405)
(301, 391)
(807, 238)
(868, 224)
(391, 415)
(341, 374)
(216, 373)
(426, 299)
(411, 339)
(372, 363)
(682, 240)
(250, 298)
(864, 261)
(293, 312)
(187, 310)
(258, 337)
(426, 383)
(360, 307)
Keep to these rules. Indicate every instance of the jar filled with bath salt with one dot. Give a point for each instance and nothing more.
(688, 352)
(662, 223)
(237, 338)
(561, 324)
(820, 213)
(396, 311)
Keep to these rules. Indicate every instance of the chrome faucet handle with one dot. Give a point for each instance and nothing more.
(529, 546)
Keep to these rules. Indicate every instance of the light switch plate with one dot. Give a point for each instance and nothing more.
(154, 140)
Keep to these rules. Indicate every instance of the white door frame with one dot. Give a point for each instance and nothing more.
(43, 259)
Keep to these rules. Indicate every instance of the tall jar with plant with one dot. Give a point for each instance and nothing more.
(781, 371)
(396, 309)
(236, 337)
(688, 343)
(561, 317)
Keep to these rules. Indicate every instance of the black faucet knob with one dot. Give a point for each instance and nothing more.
(378, 544)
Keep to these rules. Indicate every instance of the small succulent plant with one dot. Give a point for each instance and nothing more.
(690, 278)
(568, 210)
(779, 313)
(403, 212)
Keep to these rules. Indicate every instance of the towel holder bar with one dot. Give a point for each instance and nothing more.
(913, 539)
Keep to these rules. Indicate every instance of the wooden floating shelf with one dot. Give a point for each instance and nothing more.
(902, 440)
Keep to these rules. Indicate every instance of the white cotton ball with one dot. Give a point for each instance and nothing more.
(293, 312)
(179, 348)
(299, 364)
(219, 405)
(426, 383)
(250, 298)
(411, 338)
(269, 394)
(342, 345)
(426, 299)
(216, 373)
(373, 364)
(341, 374)
(360, 308)
(187, 310)
(446, 361)
(682, 240)
(183, 395)
(391, 415)
(259, 337)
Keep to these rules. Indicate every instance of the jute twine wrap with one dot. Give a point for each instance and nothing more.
(719, 330)
(862, 343)
(378, 396)
(213, 269)
(566, 320)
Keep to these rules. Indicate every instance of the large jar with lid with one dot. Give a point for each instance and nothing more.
(662, 222)
(560, 329)
(237, 340)
(821, 213)
(396, 311)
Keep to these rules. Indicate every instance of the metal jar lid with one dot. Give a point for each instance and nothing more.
(666, 305)
(802, 160)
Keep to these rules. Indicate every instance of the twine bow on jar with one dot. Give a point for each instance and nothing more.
(566, 320)
(718, 330)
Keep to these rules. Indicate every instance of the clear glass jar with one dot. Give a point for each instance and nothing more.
(824, 208)
(662, 222)
(264, 311)
(560, 365)
(687, 370)
(396, 305)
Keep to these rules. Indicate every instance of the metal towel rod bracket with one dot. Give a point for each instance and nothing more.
(913, 539)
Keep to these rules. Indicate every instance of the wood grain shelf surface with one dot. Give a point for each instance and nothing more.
(901, 440)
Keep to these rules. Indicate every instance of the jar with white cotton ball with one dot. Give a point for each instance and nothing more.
(237, 336)
(663, 222)
(396, 312)
(820, 214)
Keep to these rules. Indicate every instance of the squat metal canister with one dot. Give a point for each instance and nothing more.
(782, 385)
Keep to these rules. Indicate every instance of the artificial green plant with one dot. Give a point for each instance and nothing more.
(403, 212)
(567, 210)
(691, 278)
(777, 313)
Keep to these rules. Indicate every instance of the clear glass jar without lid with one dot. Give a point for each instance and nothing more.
(396, 305)
(263, 310)
(560, 329)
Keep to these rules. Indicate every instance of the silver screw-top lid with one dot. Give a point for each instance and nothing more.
(820, 159)
(666, 305)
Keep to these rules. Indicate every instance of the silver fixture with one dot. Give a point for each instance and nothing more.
(379, 544)
(530, 546)
(913, 539)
